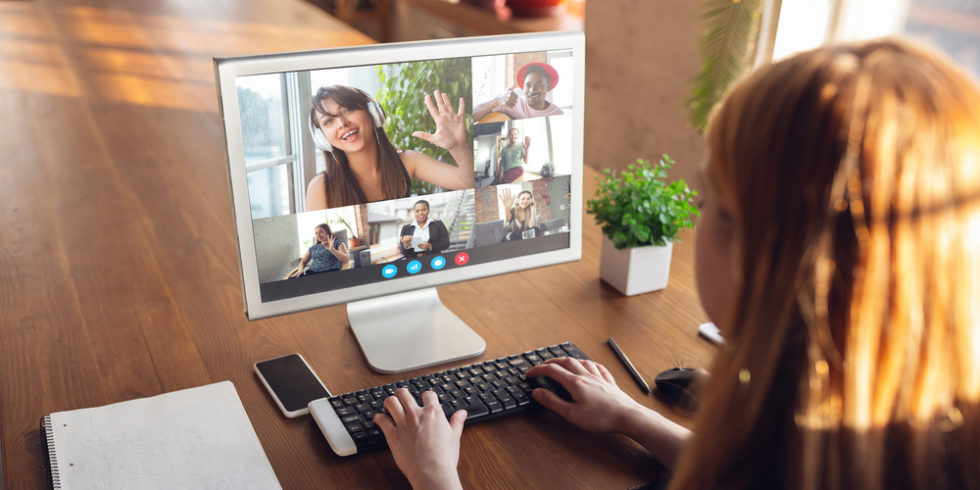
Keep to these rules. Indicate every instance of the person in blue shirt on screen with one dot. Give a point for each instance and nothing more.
(327, 254)
(839, 253)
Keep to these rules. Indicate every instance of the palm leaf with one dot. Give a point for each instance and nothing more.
(730, 27)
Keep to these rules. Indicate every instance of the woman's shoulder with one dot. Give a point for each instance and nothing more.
(410, 160)
(316, 193)
(319, 178)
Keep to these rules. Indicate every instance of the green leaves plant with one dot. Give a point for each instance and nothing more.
(638, 207)
(730, 28)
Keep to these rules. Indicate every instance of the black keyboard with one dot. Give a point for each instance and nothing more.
(486, 390)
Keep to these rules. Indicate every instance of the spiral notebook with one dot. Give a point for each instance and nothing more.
(190, 439)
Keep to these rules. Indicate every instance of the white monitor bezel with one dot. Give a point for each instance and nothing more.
(228, 69)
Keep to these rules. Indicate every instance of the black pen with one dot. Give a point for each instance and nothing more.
(629, 366)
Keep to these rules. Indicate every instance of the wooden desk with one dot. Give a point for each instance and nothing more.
(119, 276)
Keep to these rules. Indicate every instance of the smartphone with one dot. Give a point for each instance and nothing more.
(291, 382)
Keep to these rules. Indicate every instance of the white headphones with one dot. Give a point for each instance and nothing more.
(373, 108)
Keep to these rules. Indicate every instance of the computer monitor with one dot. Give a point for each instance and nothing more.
(359, 176)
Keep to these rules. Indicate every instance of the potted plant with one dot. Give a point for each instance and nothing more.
(354, 240)
(641, 215)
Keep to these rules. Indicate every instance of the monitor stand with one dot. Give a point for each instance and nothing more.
(406, 331)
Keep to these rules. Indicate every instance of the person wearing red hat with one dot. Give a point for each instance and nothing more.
(535, 80)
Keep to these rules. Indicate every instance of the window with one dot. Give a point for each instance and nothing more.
(952, 26)
(269, 162)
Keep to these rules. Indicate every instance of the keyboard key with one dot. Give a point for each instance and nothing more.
(494, 406)
(475, 410)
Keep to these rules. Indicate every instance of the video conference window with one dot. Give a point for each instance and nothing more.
(353, 170)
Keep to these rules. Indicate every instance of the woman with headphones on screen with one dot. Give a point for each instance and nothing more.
(361, 163)
(839, 253)
(327, 254)
(521, 214)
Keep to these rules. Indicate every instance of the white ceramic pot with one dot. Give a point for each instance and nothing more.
(635, 270)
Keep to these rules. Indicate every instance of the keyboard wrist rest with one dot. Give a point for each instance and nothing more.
(333, 430)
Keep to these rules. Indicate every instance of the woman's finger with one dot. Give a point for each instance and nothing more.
(394, 407)
(591, 367)
(571, 364)
(408, 403)
(384, 422)
(462, 104)
(440, 102)
(446, 103)
(423, 136)
(429, 399)
(606, 375)
(433, 111)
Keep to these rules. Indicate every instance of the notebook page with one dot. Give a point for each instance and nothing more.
(198, 438)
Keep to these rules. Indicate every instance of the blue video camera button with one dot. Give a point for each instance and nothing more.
(389, 271)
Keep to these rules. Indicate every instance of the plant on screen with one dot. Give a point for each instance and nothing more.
(403, 99)
(639, 207)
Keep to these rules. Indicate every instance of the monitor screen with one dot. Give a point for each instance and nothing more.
(369, 171)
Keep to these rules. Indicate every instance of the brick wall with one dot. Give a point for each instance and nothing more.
(485, 204)
(361, 222)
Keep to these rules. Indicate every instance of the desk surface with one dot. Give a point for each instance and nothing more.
(120, 277)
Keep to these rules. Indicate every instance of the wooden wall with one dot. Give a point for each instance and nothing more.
(641, 56)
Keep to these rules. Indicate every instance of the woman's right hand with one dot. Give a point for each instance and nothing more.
(599, 405)
(507, 198)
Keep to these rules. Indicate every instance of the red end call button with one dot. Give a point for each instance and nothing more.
(462, 258)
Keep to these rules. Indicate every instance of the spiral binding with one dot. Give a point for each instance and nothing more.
(52, 457)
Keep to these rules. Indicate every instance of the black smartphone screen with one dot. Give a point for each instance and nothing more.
(292, 381)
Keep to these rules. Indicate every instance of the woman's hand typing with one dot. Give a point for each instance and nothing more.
(424, 444)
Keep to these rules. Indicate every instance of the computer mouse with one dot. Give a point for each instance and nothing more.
(679, 386)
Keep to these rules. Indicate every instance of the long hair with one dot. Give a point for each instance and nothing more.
(342, 188)
(516, 216)
(852, 175)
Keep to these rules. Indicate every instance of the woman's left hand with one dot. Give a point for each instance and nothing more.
(450, 125)
(424, 444)
(329, 244)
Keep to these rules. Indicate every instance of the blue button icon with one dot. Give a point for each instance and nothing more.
(438, 262)
(414, 267)
(389, 271)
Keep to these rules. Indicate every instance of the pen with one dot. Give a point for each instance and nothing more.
(629, 366)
